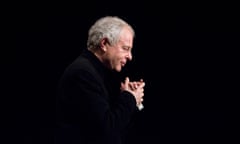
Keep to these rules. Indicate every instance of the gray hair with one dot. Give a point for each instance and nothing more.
(106, 27)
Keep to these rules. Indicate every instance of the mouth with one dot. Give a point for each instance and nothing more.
(123, 64)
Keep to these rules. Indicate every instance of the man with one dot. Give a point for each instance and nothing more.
(90, 110)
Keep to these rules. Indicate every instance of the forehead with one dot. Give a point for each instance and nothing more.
(126, 35)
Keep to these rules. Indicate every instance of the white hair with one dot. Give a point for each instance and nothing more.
(106, 27)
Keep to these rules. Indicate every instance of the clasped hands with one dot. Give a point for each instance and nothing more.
(134, 87)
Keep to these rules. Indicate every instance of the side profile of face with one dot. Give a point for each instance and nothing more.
(116, 56)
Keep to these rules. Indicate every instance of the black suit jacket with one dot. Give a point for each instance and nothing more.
(90, 107)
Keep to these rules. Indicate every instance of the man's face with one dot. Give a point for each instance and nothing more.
(118, 55)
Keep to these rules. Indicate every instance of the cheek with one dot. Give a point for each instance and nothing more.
(116, 56)
(116, 61)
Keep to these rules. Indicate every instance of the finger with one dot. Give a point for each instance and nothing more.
(140, 82)
(141, 85)
(131, 86)
(127, 80)
(135, 85)
(122, 84)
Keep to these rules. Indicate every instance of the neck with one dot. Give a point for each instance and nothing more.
(98, 54)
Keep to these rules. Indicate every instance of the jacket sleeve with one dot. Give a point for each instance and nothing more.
(90, 105)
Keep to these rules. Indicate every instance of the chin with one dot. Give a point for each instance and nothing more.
(118, 69)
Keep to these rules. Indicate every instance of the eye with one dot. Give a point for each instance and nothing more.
(126, 48)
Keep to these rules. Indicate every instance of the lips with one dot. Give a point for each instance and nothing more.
(123, 64)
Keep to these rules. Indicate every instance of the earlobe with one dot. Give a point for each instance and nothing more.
(104, 42)
(104, 48)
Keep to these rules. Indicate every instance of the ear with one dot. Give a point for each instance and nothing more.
(103, 44)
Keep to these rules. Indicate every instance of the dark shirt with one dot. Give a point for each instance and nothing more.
(90, 107)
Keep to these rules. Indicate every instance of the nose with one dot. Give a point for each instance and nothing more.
(129, 56)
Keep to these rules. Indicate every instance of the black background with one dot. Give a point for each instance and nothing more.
(186, 53)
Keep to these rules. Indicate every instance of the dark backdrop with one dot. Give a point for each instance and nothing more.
(185, 55)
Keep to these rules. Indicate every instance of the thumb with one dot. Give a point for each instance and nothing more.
(127, 80)
(124, 85)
